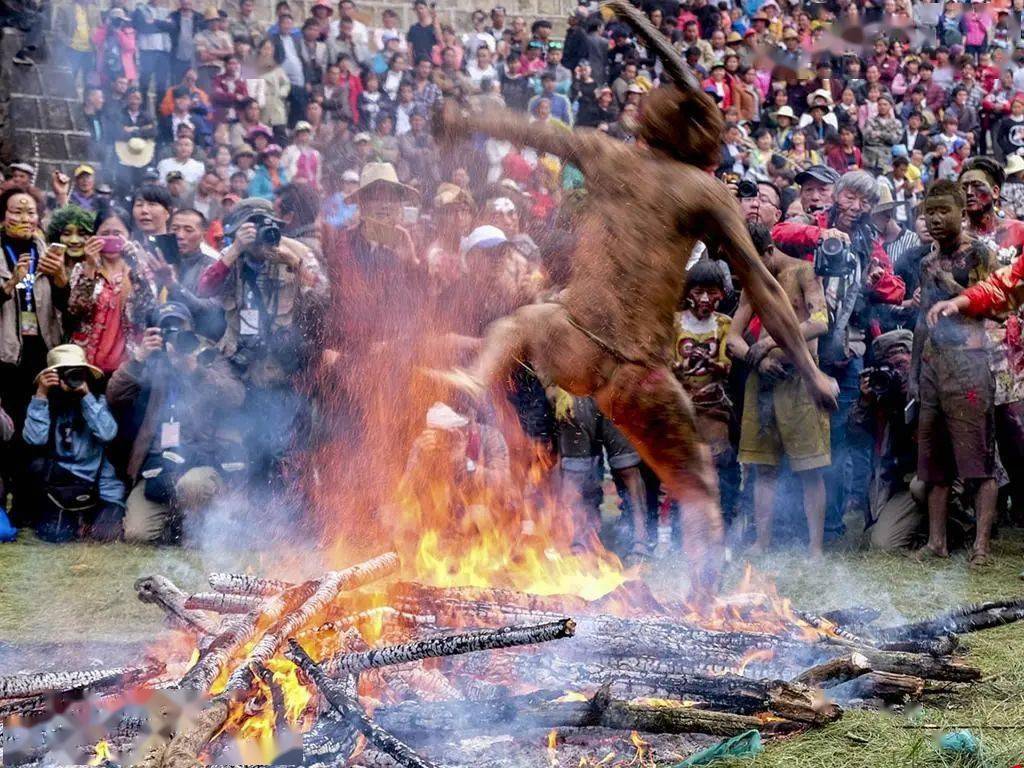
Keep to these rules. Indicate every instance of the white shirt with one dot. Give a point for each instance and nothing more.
(360, 36)
(191, 169)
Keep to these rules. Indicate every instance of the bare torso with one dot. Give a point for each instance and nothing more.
(636, 234)
(796, 276)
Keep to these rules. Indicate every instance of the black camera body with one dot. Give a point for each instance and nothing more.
(73, 378)
(881, 379)
(834, 258)
(267, 230)
(746, 189)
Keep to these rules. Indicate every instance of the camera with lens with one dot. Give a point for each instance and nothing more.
(73, 378)
(267, 230)
(746, 189)
(880, 379)
(834, 258)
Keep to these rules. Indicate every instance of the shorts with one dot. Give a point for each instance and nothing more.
(799, 430)
(582, 437)
(956, 429)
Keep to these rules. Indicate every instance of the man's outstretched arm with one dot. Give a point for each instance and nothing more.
(504, 124)
(766, 296)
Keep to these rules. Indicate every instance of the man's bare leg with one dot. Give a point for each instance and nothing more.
(985, 510)
(938, 507)
(764, 506)
(814, 509)
(653, 411)
(637, 494)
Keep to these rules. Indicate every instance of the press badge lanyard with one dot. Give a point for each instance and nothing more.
(29, 280)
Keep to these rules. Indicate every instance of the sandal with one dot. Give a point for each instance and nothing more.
(979, 560)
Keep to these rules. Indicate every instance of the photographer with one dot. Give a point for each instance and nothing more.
(895, 512)
(180, 394)
(856, 273)
(73, 490)
(271, 287)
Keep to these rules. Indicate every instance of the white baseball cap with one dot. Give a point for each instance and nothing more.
(486, 236)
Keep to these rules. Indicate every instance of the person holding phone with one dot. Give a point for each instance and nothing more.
(102, 293)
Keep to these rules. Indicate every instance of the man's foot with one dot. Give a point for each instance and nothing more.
(979, 560)
(927, 553)
(816, 554)
(460, 379)
(22, 59)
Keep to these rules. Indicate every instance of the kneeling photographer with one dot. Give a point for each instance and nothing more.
(885, 414)
(73, 491)
(272, 289)
(181, 395)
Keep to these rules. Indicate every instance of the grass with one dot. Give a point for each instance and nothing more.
(84, 593)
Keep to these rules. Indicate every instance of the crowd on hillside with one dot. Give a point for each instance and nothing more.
(258, 179)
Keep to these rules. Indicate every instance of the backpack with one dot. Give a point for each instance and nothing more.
(112, 63)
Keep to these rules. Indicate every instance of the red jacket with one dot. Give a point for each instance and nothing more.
(1001, 292)
(836, 159)
(225, 96)
(802, 239)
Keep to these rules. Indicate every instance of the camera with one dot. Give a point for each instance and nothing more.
(267, 230)
(834, 258)
(73, 378)
(746, 189)
(880, 379)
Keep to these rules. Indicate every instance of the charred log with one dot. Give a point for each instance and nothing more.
(917, 665)
(20, 686)
(219, 602)
(960, 620)
(161, 591)
(335, 695)
(241, 584)
(855, 615)
(885, 686)
(450, 645)
(834, 672)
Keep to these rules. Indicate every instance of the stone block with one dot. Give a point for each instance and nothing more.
(58, 82)
(26, 80)
(51, 146)
(57, 115)
(80, 148)
(24, 112)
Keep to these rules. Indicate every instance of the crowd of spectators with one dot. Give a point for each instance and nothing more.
(255, 174)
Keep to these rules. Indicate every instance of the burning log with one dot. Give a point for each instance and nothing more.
(335, 695)
(833, 632)
(960, 620)
(512, 714)
(917, 665)
(883, 685)
(21, 686)
(422, 594)
(161, 591)
(220, 602)
(726, 692)
(186, 745)
(252, 586)
(330, 741)
(451, 645)
(834, 671)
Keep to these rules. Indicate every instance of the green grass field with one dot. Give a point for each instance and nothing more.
(84, 593)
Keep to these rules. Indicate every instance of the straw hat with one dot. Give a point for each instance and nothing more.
(1014, 164)
(69, 356)
(786, 111)
(821, 93)
(886, 203)
(381, 174)
(450, 194)
(136, 152)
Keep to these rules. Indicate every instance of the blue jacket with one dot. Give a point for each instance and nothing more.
(261, 185)
(85, 454)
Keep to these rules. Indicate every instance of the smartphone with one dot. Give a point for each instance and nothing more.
(60, 248)
(910, 412)
(112, 244)
(410, 214)
(168, 245)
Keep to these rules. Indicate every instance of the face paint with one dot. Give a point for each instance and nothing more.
(74, 239)
(943, 218)
(21, 218)
(978, 191)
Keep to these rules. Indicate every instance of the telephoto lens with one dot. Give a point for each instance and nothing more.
(73, 378)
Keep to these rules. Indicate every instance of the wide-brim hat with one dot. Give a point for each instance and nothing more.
(451, 194)
(136, 152)
(376, 175)
(786, 111)
(1014, 164)
(821, 93)
(69, 356)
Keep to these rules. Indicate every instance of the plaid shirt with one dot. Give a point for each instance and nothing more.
(426, 95)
